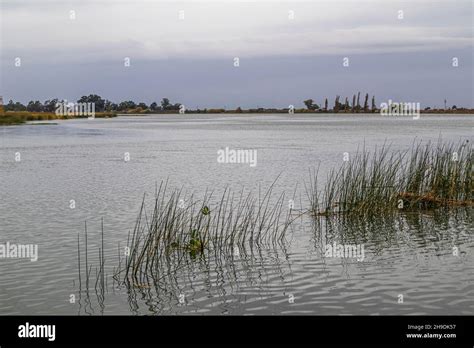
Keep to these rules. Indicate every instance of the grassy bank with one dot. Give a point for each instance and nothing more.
(11, 120)
(19, 117)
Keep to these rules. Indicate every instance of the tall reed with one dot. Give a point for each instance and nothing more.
(178, 228)
(428, 176)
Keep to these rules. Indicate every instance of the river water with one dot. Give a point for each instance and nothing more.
(56, 177)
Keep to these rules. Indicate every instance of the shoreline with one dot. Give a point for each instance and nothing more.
(286, 111)
(14, 118)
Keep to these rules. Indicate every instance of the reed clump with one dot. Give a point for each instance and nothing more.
(179, 229)
(429, 176)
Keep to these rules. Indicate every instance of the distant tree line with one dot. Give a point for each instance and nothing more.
(101, 105)
(345, 106)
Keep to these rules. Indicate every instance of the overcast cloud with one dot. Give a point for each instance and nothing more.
(409, 58)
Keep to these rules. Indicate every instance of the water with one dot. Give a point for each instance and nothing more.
(83, 160)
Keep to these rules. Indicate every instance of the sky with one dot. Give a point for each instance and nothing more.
(288, 51)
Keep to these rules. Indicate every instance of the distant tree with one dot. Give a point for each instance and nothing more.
(358, 102)
(108, 105)
(454, 107)
(309, 104)
(94, 98)
(143, 106)
(153, 106)
(238, 110)
(337, 105)
(126, 105)
(366, 103)
(165, 104)
(175, 106)
(34, 106)
(373, 104)
(346, 105)
(11, 106)
(326, 104)
(50, 105)
(20, 107)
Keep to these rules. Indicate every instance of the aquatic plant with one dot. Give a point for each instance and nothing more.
(426, 177)
(178, 228)
(100, 285)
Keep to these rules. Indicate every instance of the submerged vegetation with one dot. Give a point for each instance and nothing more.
(423, 178)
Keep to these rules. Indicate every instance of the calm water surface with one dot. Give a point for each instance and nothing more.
(83, 160)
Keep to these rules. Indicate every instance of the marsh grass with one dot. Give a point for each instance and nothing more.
(10, 120)
(179, 229)
(19, 117)
(429, 176)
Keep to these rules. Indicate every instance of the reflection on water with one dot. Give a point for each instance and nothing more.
(426, 257)
(82, 160)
